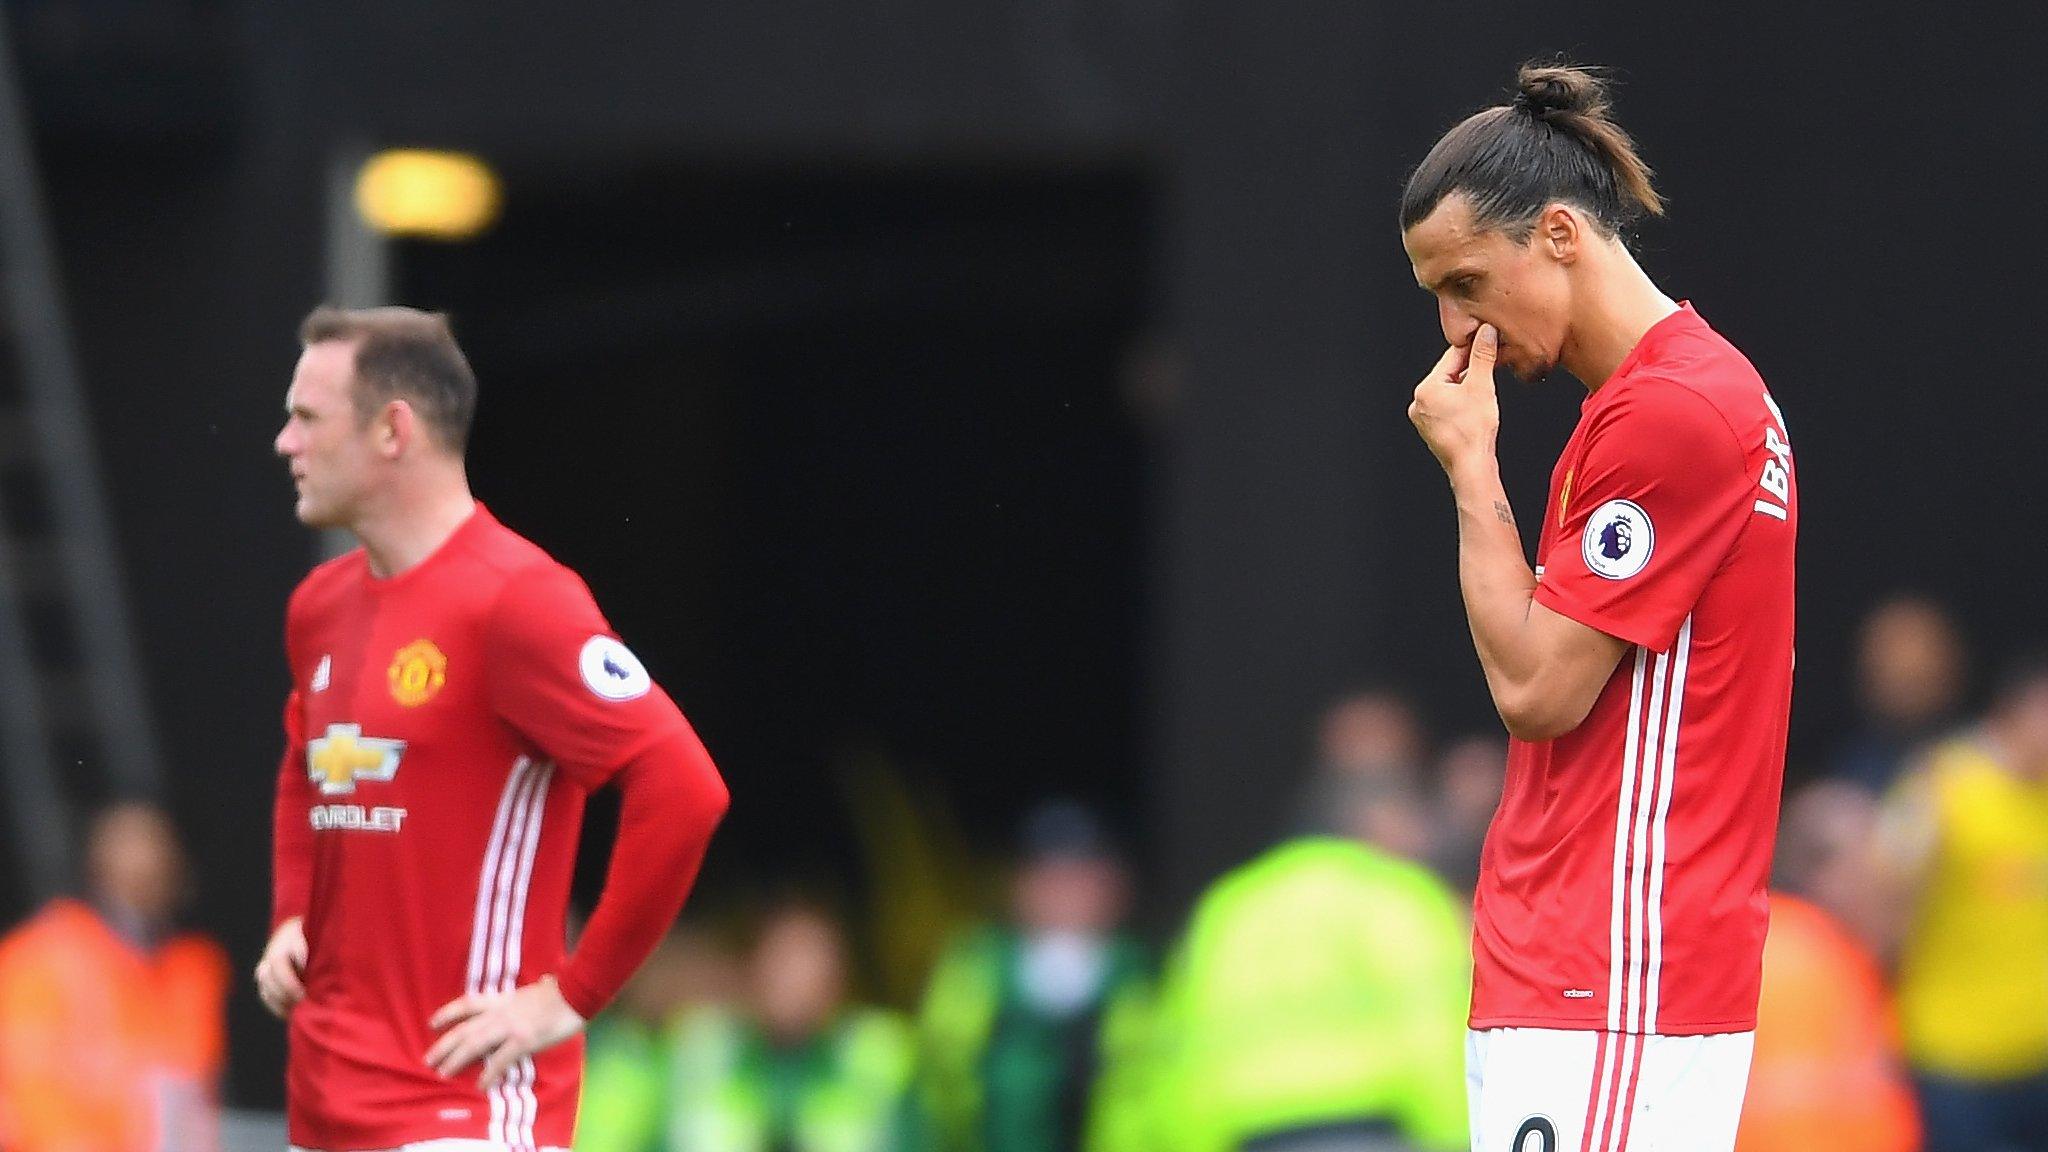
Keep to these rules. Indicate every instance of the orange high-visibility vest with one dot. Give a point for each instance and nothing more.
(106, 1047)
(1829, 1074)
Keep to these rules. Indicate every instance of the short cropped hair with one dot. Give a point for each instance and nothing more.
(403, 354)
(1555, 141)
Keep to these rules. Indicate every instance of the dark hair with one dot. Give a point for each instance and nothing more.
(1064, 829)
(403, 353)
(1554, 142)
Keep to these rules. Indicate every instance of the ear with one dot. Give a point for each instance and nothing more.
(1560, 231)
(397, 426)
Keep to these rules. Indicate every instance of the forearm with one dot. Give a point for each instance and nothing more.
(671, 800)
(291, 851)
(1544, 668)
(1495, 580)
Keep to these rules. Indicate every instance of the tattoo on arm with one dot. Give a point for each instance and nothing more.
(1505, 514)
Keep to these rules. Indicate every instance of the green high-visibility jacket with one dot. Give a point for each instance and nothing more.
(1325, 982)
(714, 1083)
(625, 1087)
(1000, 1078)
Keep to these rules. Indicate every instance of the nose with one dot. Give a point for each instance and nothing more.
(285, 444)
(1459, 325)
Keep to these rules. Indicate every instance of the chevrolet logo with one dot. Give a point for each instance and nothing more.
(343, 756)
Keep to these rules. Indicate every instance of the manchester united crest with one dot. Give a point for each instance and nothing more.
(417, 673)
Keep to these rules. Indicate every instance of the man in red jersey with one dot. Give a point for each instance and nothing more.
(455, 696)
(1643, 669)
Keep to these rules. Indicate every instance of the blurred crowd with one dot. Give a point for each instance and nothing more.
(113, 1024)
(1312, 1000)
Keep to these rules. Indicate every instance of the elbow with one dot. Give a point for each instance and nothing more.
(1532, 729)
(1532, 715)
(719, 801)
(675, 782)
(702, 805)
(710, 796)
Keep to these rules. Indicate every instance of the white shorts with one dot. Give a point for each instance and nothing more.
(1551, 1090)
(448, 1146)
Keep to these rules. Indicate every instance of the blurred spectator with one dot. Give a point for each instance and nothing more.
(1318, 1001)
(1469, 780)
(1964, 843)
(1373, 733)
(112, 1026)
(792, 1066)
(1394, 818)
(627, 1078)
(1035, 1031)
(1828, 1073)
(800, 1069)
(1369, 740)
(1910, 672)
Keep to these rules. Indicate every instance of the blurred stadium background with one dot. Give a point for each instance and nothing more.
(960, 404)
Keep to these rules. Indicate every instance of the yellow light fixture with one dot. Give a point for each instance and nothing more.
(428, 194)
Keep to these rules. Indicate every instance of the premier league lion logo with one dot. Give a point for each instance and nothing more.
(1616, 538)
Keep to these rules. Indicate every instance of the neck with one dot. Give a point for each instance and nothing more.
(2018, 755)
(2022, 758)
(128, 924)
(415, 522)
(1618, 306)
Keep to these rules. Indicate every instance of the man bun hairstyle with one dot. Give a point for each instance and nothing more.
(403, 354)
(1555, 141)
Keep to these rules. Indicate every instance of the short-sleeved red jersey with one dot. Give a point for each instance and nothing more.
(1622, 883)
(445, 726)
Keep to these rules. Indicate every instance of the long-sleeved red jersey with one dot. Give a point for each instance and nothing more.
(444, 728)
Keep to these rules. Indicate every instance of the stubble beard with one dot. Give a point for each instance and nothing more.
(312, 513)
(1535, 374)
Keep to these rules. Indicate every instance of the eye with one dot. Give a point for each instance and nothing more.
(1465, 285)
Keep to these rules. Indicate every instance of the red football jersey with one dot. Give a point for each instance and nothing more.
(1622, 883)
(444, 729)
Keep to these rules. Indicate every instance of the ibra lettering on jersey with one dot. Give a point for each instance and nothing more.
(355, 818)
(1776, 480)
